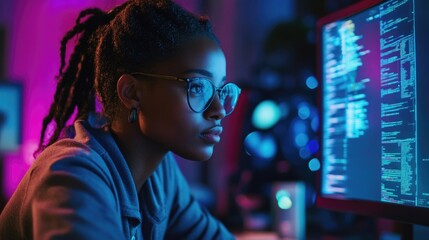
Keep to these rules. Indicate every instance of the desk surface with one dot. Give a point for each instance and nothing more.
(259, 236)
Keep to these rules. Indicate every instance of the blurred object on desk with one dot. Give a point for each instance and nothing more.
(288, 204)
(256, 236)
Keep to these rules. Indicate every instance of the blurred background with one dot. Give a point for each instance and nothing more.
(271, 139)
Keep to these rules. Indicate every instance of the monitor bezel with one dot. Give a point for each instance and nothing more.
(396, 212)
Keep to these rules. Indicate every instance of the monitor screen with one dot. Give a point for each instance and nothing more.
(374, 68)
(10, 116)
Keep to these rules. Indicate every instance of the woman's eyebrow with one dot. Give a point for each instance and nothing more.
(203, 72)
(199, 71)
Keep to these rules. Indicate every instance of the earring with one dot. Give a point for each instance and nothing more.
(132, 118)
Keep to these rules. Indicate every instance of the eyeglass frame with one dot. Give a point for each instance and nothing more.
(188, 80)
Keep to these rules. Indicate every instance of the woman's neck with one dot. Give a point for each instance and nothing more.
(142, 155)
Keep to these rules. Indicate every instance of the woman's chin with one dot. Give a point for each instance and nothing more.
(199, 155)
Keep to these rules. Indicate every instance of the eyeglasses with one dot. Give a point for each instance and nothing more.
(201, 92)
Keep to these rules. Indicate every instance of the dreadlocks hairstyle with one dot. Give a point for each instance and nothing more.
(131, 36)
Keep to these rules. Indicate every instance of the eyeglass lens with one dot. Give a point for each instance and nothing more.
(201, 93)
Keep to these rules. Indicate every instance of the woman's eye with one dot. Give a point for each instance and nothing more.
(198, 88)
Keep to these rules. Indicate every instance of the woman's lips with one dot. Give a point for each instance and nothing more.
(212, 135)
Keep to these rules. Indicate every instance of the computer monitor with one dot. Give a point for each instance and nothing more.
(10, 116)
(373, 64)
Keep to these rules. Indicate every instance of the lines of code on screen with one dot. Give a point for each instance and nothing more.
(370, 142)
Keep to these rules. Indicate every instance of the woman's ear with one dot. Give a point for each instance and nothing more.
(127, 91)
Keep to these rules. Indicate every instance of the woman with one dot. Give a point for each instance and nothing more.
(158, 73)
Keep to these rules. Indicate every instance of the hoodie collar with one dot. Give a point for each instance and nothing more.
(95, 133)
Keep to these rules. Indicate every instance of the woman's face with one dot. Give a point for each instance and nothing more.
(165, 117)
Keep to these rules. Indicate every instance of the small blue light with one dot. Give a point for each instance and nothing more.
(269, 79)
(314, 164)
(299, 126)
(303, 110)
(285, 203)
(266, 114)
(311, 82)
(315, 123)
(304, 153)
(283, 199)
(284, 109)
(301, 139)
(313, 146)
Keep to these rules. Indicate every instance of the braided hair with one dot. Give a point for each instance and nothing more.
(130, 37)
